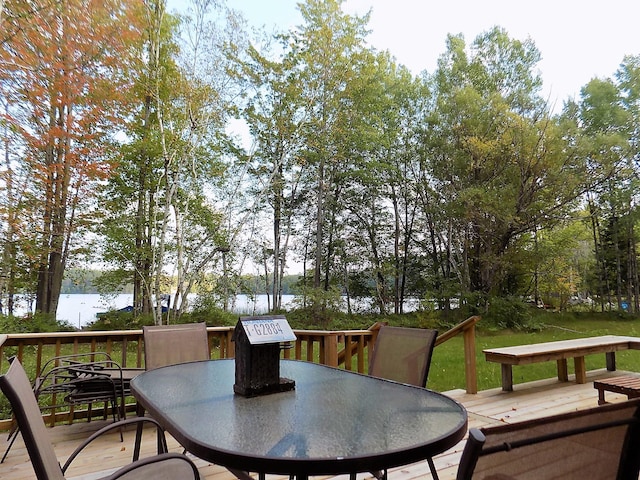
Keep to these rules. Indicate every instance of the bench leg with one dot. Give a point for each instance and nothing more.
(601, 400)
(507, 377)
(581, 370)
(563, 372)
(611, 361)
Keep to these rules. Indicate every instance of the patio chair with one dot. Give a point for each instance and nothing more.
(17, 388)
(82, 379)
(78, 379)
(171, 344)
(404, 355)
(596, 443)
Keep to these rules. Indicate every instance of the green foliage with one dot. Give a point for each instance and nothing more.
(109, 282)
(36, 323)
(119, 321)
(509, 313)
(320, 305)
(207, 309)
(455, 184)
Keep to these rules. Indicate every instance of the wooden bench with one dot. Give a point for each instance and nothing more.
(560, 351)
(626, 385)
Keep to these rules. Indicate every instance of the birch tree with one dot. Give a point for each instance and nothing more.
(162, 230)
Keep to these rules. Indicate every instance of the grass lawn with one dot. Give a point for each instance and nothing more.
(447, 367)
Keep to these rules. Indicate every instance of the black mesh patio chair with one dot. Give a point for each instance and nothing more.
(81, 379)
(595, 444)
(17, 388)
(403, 355)
(78, 379)
(172, 344)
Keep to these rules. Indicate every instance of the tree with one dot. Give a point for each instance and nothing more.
(161, 228)
(329, 46)
(606, 137)
(499, 163)
(275, 116)
(63, 73)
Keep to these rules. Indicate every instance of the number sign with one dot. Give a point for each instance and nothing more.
(268, 330)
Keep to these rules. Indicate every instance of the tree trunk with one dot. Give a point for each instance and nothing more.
(320, 199)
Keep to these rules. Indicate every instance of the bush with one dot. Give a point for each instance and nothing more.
(212, 315)
(36, 323)
(119, 321)
(509, 313)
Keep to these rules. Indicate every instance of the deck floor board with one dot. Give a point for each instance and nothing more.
(531, 400)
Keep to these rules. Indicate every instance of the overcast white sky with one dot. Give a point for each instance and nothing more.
(579, 40)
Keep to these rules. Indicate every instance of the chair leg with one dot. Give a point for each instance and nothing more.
(432, 467)
(378, 475)
(115, 410)
(12, 438)
(136, 447)
(241, 475)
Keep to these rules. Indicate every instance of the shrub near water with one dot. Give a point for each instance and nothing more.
(36, 323)
(510, 313)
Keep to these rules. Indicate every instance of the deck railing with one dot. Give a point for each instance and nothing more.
(345, 349)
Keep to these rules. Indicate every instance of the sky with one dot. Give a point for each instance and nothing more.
(578, 40)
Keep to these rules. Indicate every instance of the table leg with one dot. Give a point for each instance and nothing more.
(432, 467)
(507, 377)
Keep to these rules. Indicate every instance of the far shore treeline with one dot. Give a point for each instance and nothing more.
(154, 152)
(82, 282)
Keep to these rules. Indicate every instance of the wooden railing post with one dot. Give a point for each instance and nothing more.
(229, 350)
(330, 349)
(471, 376)
(468, 330)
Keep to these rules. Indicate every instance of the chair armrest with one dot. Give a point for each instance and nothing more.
(162, 441)
(165, 465)
(74, 358)
(65, 378)
(470, 454)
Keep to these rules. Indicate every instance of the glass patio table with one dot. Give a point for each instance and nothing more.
(333, 422)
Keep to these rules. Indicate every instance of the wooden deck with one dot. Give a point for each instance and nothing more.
(529, 400)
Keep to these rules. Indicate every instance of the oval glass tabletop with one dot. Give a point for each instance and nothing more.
(334, 421)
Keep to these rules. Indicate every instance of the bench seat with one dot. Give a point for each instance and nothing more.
(626, 385)
(560, 351)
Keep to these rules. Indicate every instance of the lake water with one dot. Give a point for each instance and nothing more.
(80, 309)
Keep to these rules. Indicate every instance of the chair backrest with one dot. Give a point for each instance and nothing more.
(172, 344)
(403, 354)
(17, 388)
(596, 443)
